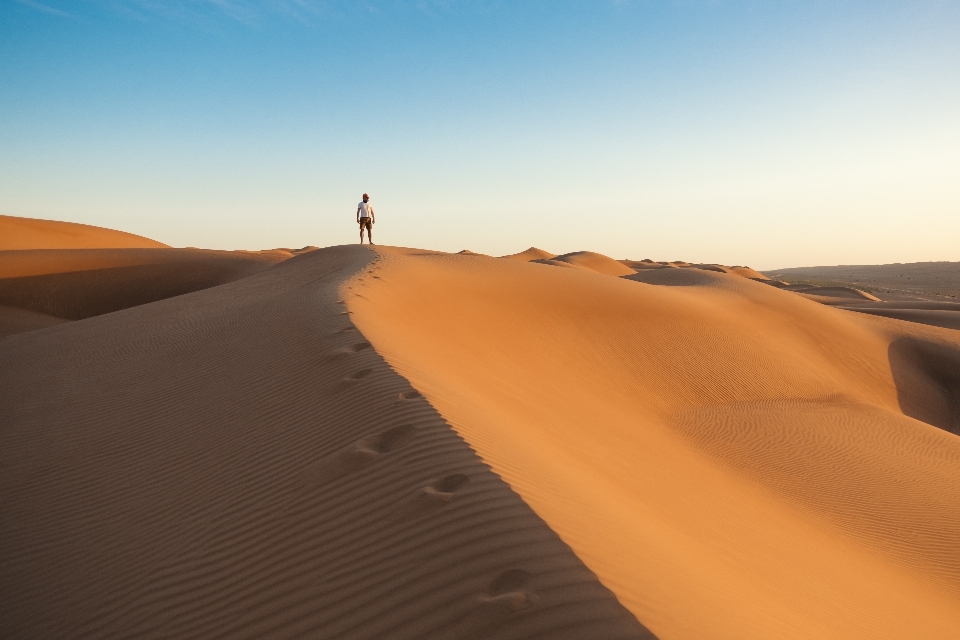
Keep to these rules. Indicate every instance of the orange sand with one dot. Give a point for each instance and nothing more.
(29, 233)
(238, 462)
(672, 447)
(732, 460)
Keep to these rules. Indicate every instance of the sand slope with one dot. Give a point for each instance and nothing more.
(732, 460)
(238, 462)
(593, 262)
(79, 283)
(14, 320)
(31, 233)
(530, 254)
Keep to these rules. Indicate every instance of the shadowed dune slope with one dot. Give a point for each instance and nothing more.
(13, 320)
(80, 283)
(946, 318)
(639, 265)
(732, 460)
(238, 462)
(31, 233)
(847, 293)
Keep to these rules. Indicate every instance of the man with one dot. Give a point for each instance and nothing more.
(365, 218)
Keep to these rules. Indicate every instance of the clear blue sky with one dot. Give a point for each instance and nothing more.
(768, 133)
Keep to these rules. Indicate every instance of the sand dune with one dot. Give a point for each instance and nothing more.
(395, 443)
(901, 306)
(531, 254)
(14, 320)
(31, 233)
(590, 261)
(72, 284)
(912, 281)
(732, 460)
(238, 462)
(946, 318)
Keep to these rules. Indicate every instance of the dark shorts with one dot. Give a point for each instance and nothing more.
(365, 222)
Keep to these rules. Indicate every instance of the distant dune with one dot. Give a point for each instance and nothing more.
(940, 279)
(72, 284)
(30, 233)
(374, 442)
(531, 254)
(907, 290)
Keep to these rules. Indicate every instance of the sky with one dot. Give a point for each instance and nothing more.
(767, 133)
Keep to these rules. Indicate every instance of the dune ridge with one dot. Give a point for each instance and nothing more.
(240, 462)
(32, 233)
(732, 460)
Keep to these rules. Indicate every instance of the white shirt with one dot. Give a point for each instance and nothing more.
(364, 209)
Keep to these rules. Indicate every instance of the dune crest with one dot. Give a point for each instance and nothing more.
(530, 254)
(31, 233)
(591, 262)
(732, 460)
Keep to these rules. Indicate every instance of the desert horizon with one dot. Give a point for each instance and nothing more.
(367, 441)
(659, 338)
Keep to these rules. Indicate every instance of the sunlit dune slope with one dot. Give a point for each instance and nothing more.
(73, 284)
(593, 262)
(31, 233)
(531, 254)
(239, 463)
(733, 461)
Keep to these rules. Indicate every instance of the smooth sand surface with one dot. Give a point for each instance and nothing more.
(591, 261)
(531, 254)
(948, 319)
(845, 293)
(72, 284)
(238, 462)
(14, 320)
(31, 233)
(732, 460)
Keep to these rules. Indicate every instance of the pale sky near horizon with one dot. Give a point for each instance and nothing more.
(773, 134)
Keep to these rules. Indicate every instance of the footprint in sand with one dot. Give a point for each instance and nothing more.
(350, 381)
(346, 351)
(508, 593)
(358, 455)
(430, 498)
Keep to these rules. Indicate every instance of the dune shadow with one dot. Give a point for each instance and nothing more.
(674, 277)
(927, 376)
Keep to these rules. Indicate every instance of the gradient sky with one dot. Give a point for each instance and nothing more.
(769, 133)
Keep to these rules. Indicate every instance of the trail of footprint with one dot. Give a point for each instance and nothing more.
(346, 351)
(430, 498)
(360, 454)
(350, 381)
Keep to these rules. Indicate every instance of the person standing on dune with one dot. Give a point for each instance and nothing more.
(365, 218)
